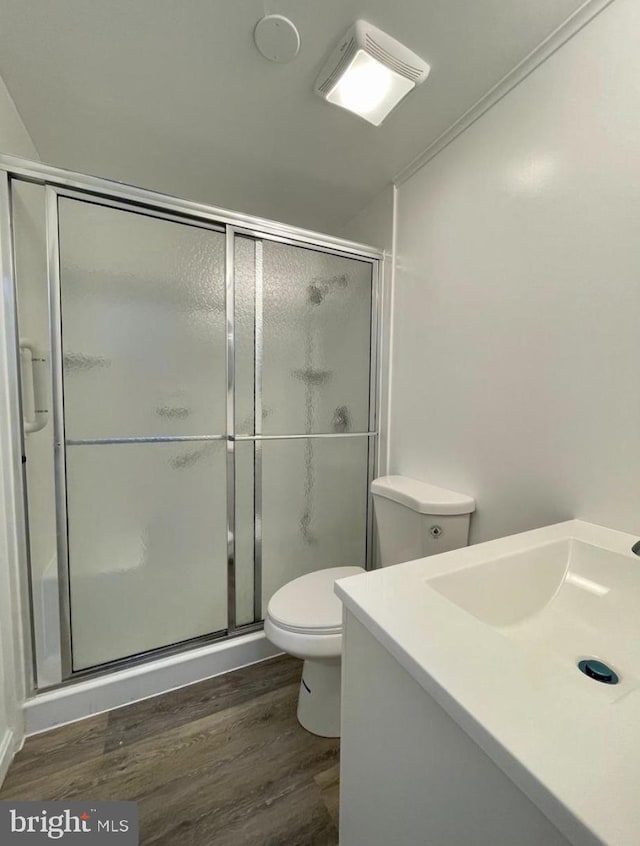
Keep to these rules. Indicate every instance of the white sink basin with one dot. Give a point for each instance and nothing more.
(494, 633)
(569, 598)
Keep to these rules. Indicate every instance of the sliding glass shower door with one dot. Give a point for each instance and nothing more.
(303, 367)
(199, 419)
(143, 344)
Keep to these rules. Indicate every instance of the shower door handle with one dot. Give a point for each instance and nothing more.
(34, 417)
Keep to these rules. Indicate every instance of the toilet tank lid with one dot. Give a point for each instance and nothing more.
(421, 496)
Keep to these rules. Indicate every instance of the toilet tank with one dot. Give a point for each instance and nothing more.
(415, 519)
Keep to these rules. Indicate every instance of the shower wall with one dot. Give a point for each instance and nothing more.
(215, 422)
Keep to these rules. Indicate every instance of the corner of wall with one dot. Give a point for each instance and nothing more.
(14, 137)
(15, 141)
(554, 41)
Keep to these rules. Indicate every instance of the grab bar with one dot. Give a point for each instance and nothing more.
(33, 417)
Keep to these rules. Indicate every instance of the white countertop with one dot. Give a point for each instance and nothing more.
(570, 744)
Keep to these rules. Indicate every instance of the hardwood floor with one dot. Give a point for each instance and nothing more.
(219, 763)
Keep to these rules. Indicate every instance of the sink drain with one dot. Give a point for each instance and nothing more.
(598, 671)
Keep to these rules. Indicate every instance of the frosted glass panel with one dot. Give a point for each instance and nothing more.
(147, 546)
(317, 318)
(244, 490)
(245, 329)
(143, 315)
(314, 507)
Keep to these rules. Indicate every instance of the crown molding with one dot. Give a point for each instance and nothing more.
(579, 19)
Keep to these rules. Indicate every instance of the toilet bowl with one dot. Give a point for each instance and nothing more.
(304, 618)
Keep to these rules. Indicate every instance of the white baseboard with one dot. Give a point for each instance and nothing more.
(9, 745)
(87, 698)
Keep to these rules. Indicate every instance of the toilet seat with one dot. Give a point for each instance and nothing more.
(308, 605)
(304, 618)
(329, 630)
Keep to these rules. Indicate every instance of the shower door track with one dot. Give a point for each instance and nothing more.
(144, 199)
(63, 183)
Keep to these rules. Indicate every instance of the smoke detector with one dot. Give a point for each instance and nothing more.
(369, 73)
(277, 38)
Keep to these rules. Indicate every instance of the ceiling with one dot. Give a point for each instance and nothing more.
(172, 94)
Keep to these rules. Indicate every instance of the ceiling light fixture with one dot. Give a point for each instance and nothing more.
(369, 73)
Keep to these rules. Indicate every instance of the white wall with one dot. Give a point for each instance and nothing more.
(14, 140)
(373, 224)
(516, 358)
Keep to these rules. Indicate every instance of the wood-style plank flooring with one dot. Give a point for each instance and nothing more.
(219, 763)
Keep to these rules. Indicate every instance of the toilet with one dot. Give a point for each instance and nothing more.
(413, 519)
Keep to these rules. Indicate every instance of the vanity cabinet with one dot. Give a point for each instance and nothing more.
(409, 775)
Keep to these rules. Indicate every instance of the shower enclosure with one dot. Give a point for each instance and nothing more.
(199, 414)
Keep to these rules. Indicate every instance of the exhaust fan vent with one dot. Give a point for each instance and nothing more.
(388, 59)
(369, 73)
